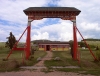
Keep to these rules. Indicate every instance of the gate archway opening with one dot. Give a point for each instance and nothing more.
(38, 13)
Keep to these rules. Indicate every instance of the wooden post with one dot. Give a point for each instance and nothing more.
(75, 45)
(28, 39)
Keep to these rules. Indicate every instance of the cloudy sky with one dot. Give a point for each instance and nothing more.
(13, 19)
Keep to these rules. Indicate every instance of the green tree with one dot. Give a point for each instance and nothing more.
(11, 41)
(82, 44)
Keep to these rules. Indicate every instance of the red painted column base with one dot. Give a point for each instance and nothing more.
(28, 49)
(75, 45)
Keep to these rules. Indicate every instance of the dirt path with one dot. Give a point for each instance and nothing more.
(40, 65)
(32, 73)
(47, 57)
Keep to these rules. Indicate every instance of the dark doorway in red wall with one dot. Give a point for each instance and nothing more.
(47, 47)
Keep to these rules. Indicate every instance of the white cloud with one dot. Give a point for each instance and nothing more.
(40, 35)
(89, 9)
(65, 36)
(90, 26)
(23, 38)
(63, 31)
(2, 35)
(13, 10)
(5, 30)
(88, 20)
(36, 23)
(14, 19)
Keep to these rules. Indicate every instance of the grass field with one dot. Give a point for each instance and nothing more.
(86, 62)
(16, 55)
(95, 43)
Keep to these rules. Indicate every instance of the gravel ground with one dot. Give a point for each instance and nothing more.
(32, 73)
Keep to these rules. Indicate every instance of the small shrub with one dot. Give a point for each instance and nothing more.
(98, 54)
(9, 65)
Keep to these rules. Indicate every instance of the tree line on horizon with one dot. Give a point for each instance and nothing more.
(91, 39)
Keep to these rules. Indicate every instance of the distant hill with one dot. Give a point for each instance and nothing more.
(91, 39)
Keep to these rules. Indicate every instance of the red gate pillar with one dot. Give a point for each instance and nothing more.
(28, 39)
(75, 45)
